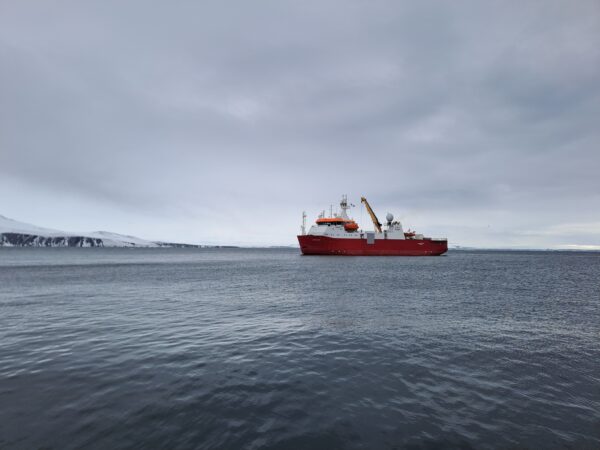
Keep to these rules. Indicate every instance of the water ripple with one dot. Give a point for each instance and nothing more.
(267, 349)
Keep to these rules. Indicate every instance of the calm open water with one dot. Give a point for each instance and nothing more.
(180, 348)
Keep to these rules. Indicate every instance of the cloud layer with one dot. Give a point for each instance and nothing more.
(220, 122)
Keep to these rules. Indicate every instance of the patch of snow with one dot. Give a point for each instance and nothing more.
(8, 225)
(13, 226)
(120, 240)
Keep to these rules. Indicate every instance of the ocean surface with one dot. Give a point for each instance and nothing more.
(253, 349)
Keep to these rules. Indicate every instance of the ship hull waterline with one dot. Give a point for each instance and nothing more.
(323, 245)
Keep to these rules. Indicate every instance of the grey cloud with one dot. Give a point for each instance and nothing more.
(200, 110)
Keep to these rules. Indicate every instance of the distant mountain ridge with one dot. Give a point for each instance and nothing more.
(20, 234)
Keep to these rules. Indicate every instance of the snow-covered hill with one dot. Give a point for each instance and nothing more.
(21, 234)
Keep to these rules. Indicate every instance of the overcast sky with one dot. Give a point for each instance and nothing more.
(220, 122)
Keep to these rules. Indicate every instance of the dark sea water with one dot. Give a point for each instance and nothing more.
(249, 349)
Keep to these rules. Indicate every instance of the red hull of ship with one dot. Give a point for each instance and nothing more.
(321, 245)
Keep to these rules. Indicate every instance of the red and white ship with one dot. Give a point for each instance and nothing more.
(340, 235)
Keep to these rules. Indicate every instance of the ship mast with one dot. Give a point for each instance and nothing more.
(374, 218)
(303, 227)
(344, 207)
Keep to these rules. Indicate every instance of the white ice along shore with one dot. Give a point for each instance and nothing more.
(20, 234)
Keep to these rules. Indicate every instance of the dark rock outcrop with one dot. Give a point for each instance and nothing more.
(32, 240)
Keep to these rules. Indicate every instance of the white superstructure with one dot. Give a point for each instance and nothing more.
(342, 226)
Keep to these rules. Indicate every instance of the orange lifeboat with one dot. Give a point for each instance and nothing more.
(330, 220)
(350, 226)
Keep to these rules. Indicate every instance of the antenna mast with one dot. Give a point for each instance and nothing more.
(344, 207)
(303, 227)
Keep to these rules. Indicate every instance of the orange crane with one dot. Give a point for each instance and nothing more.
(376, 222)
